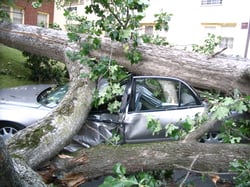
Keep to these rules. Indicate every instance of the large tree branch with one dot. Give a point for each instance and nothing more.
(197, 133)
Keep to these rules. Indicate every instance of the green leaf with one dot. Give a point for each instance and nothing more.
(242, 168)
(114, 106)
(119, 169)
(134, 56)
(126, 34)
(188, 124)
(154, 125)
(228, 101)
(171, 130)
(73, 36)
(220, 112)
(241, 107)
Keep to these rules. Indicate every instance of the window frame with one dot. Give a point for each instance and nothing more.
(17, 13)
(227, 43)
(132, 99)
(211, 2)
(149, 30)
(11, 12)
(75, 3)
(46, 25)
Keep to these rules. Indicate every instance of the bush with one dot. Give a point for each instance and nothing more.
(44, 69)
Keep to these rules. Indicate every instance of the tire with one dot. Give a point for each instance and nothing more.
(211, 137)
(7, 130)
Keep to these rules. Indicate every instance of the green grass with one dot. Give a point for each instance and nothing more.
(12, 69)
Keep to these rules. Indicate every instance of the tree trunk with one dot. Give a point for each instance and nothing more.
(8, 176)
(15, 173)
(200, 71)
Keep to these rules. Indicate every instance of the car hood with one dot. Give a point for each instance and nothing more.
(23, 95)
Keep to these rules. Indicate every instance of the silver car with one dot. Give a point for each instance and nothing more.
(166, 99)
(22, 106)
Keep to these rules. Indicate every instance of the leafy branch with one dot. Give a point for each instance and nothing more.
(210, 43)
(120, 21)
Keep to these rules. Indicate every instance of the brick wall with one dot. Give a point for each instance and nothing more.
(30, 13)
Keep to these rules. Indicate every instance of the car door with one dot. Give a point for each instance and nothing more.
(166, 99)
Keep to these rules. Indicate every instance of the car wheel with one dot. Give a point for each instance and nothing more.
(8, 130)
(211, 137)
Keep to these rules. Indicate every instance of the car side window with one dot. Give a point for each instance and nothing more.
(187, 97)
(156, 94)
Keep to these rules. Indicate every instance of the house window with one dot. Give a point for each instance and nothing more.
(43, 19)
(74, 2)
(211, 2)
(210, 29)
(81, 2)
(17, 15)
(72, 9)
(149, 30)
(227, 42)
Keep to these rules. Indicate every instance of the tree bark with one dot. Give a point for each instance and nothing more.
(15, 173)
(8, 176)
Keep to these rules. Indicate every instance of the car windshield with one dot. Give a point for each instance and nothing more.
(51, 97)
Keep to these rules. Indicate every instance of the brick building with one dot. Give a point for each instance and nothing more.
(24, 13)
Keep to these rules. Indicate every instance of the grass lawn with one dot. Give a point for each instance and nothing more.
(12, 70)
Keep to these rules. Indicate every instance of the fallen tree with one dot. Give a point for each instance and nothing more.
(44, 140)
